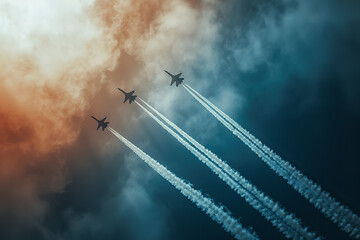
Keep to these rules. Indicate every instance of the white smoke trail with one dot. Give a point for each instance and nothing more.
(285, 222)
(338, 213)
(218, 214)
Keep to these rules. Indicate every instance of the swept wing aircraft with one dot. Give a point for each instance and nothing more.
(128, 95)
(101, 123)
(175, 78)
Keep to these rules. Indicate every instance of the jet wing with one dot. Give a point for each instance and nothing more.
(103, 119)
(131, 93)
(172, 82)
(178, 75)
(98, 127)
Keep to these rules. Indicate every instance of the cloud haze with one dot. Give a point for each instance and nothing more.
(55, 57)
(286, 70)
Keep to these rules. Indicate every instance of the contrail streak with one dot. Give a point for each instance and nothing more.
(338, 213)
(285, 222)
(204, 203)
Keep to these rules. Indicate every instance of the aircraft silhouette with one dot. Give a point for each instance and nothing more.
(128, 96)
(101, 123)
(175, 78)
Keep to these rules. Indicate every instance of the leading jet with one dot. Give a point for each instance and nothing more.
(101, 123)
(175, 78)
(128, 96)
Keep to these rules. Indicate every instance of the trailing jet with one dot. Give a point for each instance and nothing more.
(175, 78)
(128, 96)
(101, 123)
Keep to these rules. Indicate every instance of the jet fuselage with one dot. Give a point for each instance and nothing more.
(175, 78)
(101, 123)
(128, 95)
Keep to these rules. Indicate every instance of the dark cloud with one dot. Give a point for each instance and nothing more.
(295, 64)
(288, 71)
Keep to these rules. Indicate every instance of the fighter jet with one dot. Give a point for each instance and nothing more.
(101, 123)
(175, 78)
(128, 96)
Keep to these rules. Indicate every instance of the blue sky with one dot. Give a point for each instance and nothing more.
(287, 71)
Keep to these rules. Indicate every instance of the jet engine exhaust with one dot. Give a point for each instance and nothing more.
(206, 204)
(285, 222)
(338, 213)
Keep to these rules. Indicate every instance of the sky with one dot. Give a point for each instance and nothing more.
(286, 70)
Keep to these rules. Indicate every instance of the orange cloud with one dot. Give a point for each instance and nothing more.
(55, 56)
